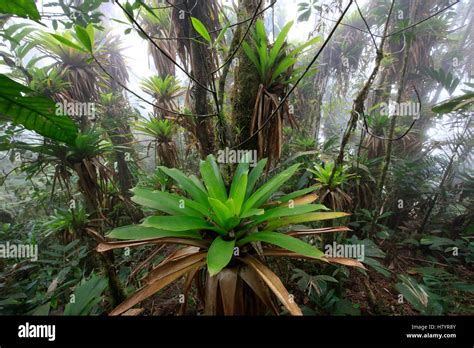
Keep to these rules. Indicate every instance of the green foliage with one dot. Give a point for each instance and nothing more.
(308, 283)
(85, 36)
(71, 48)
(66, 221)
(306, 8)
(447, 80)
(87, 295)
(304, 143)
(22, 8)
(413, 292)
(366, 220)
(162, 88)
(332, 192)
(156, 17)
(201, 29)
(378, 123)
(227, 217)
(158, 181)
(273, 63)
(372, 252)
(19, 104)
(229, 226)
(82, 13)
(47, 81)
(322, 174)
(161, 130)
(19, 47)
(464, 102)
(440, 292)
(41, 287)
(219, 255)
(88, 145)
(322, 295)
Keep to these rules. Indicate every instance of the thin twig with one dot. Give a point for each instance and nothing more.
(366, 24)
(395, 32)
(366, 126)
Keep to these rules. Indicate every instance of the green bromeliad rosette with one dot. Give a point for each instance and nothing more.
(227, 232)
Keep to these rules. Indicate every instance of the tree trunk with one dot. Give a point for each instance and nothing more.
(120, 140)
(246, 82)
(201, 66)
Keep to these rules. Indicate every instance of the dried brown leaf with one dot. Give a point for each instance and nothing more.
(151, 289)
(274, 283)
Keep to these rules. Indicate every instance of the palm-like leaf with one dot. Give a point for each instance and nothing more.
(162, 130)
(165, 91)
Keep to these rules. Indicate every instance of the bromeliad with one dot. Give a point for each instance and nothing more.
(227, 232)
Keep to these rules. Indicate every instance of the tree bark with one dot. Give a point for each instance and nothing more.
(246, 83)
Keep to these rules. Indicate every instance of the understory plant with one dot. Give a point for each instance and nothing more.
(162, 131)
(332, 190)
(165, 91)
(227, 235)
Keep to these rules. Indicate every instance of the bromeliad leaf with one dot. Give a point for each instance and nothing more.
(238, 189)
(179, 223)
(187, 184)
(283, 241)
(279, 212)
(84, 37)
(260, 31)
(212, 178)
(168, 203)
(197, 182)
(255, 175)
(297, 219)
(283, 66)
(263, 193)
(221, 34)
(253, 58)
(67, 42)
(138, 232)
(222, 212)
(296, 194)
(87, 295)
(219, 255)
(252, 212)
(311, 42)
(279, 42)
(463, 102)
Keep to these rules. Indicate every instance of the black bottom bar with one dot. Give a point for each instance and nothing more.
(195, 331)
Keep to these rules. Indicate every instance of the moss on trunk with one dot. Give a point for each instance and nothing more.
(246, 83)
